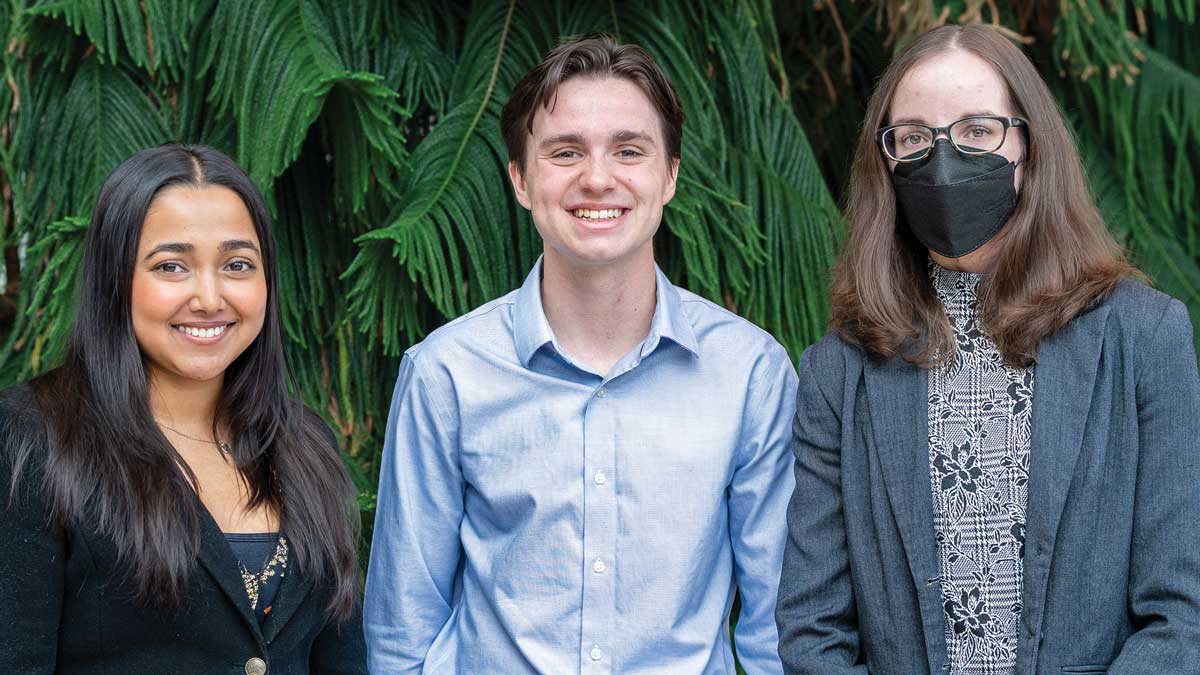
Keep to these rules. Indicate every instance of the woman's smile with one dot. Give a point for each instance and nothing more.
(204, 333)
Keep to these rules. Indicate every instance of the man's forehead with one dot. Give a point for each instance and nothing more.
(608, 107)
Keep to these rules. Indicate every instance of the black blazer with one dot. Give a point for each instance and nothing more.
(64, 608)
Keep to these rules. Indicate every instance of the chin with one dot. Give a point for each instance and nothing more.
(201, 373)
(597, 253)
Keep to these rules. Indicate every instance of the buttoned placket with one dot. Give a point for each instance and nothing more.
(600, 518)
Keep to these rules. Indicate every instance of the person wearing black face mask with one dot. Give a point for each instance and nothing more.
(953, 197)
(997, 446)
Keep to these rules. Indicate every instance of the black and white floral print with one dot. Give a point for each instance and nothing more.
(979, 431)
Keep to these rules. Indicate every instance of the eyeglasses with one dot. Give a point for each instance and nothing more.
(977, 135)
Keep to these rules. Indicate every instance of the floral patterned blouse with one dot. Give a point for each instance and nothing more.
(263, 560)
(979, 433)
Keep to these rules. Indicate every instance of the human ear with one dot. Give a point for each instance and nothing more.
(520, 189)
(672, 178)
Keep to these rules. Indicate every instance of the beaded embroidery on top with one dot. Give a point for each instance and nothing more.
(277, 564)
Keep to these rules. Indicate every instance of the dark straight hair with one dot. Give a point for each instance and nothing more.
(108, 458)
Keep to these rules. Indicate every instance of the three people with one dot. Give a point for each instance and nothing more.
(169, 506)
(995, 448)
(578, 475)
(996, 445)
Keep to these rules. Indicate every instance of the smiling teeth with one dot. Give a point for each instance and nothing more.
(601, 214)
(203, 332)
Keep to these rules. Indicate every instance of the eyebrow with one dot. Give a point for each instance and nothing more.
(182, 247)
(622, 136)
(236, 245)
(562, 139)
(627, 135)
(170, 247)
(918, 120)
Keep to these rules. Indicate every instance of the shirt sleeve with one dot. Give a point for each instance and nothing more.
(1164, 574)
(758, 496)
(415, 548)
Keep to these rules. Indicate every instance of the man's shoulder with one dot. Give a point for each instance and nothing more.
(483, 326)
(711, 321)
(484, 333)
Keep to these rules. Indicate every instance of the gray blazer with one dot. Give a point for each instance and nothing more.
(1112, 557)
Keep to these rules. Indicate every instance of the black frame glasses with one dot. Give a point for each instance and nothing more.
(934, 132)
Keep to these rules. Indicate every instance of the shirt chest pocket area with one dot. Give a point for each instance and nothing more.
(526, 451)
(532, 451)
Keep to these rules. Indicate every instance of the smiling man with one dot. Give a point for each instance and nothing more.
(578, 475)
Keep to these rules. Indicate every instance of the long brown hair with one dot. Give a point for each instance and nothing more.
(1055, 256)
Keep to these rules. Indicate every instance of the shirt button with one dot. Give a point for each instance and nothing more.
(601, 393)
(256, 666)
(596, 654)
(598, 567)
(600, 478)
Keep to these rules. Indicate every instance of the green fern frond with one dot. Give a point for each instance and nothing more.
(153, 34)
(455, 196)
(277, 64)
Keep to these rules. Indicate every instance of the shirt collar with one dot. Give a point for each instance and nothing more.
(531, 329)
(670, 320)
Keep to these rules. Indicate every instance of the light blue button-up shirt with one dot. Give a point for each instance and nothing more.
(536, 516)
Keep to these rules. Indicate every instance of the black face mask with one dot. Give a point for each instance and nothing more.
(955, 203)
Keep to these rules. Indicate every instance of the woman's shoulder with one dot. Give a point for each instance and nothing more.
(1131, 297)
(1136, 308)
(829, 364)
(833, 351)
(17, 399)
(23, 446)
(19, 414)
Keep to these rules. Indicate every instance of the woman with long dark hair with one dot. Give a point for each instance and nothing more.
(998, 444)
(169, 506)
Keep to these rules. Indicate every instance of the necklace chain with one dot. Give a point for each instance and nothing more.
(221, 445)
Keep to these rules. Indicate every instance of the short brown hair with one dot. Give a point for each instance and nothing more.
(592, 55)
(1056, 257)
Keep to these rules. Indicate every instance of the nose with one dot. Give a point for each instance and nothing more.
(207, 295)
(597, 174)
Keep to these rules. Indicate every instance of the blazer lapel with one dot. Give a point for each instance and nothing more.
(898, 399)
(1064, 378)
(293, 589)
(217, 559)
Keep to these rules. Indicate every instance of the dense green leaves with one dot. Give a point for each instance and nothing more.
(372, 126)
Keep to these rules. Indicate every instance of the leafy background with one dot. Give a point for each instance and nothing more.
(372, 126)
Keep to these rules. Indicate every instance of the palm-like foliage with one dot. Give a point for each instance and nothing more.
(373, 128)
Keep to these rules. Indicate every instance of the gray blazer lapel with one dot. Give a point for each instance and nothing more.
(898, 399)
(217, 559)
(1064, 378)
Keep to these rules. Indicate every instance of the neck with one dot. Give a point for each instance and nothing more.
(599, 313)
(185, 405)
